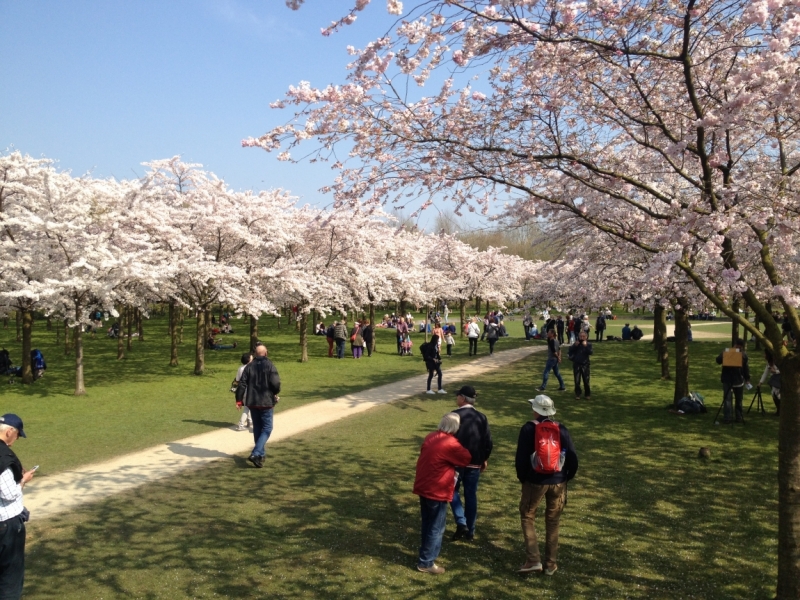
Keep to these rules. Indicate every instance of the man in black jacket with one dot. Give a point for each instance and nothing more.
(733, 381)
(258, 389)
(579, 354)
(535, 486)
(474, 435)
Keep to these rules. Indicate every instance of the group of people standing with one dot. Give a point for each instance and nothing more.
(361, 336)
(459, 452)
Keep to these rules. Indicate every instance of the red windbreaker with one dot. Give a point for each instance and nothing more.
(439, 456)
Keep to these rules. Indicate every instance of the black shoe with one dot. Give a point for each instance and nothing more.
(562, 389)
(461, 531)
(541, 389)
(470, 537)
(257, 461)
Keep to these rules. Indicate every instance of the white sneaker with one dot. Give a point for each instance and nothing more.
(442, 392)
(240, 428)
(430, 392)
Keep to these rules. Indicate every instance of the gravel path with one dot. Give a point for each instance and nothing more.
(64, 491)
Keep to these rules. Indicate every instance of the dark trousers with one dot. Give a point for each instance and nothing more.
(340, 348)
(435, 370)
(736, 392)
(12, 558)
(449, 349)
(560, 335)
(369, 347)
(473, 346)
(492, 342)
(330, 346)
(598, 334)
(581, 372)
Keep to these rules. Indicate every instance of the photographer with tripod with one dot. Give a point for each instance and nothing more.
(735, 374)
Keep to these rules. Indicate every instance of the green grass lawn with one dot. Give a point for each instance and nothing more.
(141, 401)
(332, 514)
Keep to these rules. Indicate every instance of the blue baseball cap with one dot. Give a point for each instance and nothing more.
(14, 421)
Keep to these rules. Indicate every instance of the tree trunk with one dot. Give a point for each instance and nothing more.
(27, 326)
(477, 305)
(58, 335)
(462, 311)
(200, 343)
(173, 336)
(121, 333)
(303, 326)
(372, 324)
(80, 388)
(5, 322)
(758, 326)
(181, 315)
(681, 350)
(18, 315)
(209, 326)
(49, 324)
(314, 320)
(253, 333)
(735, 323)
(66, 337)
(789, 480)
(129, 322)
(139, 326)
(660, 339)
(402, 309)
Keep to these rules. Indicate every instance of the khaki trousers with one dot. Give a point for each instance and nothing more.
(555, 497)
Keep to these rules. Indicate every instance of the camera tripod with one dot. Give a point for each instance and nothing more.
(760, 406)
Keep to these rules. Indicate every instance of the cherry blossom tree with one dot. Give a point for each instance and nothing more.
(669, 125)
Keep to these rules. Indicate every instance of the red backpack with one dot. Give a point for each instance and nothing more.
(547, 457)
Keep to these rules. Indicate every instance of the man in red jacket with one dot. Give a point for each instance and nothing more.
(435, 482)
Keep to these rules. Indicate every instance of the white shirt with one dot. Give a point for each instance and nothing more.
(10, 496)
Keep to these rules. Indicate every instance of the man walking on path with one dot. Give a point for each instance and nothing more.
(579, 354)
(553, 360)
(258, 389)
(474, 435)
(12, 513)
(548, 480)
(340, 337)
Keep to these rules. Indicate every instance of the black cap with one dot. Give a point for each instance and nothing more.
(468, 392)
(14, 421)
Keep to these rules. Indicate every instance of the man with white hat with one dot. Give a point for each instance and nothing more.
(12, 513)
(546, 460)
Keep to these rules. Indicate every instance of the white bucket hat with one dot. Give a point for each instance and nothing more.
(543, 405)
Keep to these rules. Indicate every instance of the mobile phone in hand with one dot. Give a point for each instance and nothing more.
(34, 468)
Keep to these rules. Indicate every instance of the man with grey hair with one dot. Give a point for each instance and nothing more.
(438, 458)
(258, 390)
(475, 436)
(12, 513)
(546, 460)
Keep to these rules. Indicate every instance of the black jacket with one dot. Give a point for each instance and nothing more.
(259, 384)
(525, 447)
(430, 354)
(9, 460)
(474, 434)
(735, 376)
(367, 333)
(579, 354)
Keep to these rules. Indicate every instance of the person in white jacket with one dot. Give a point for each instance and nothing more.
(473, 333)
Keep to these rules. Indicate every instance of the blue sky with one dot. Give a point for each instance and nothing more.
(104, 85)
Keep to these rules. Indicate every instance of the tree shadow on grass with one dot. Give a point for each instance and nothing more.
(332, 514)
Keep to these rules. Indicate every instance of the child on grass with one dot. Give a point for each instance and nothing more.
(448, 339)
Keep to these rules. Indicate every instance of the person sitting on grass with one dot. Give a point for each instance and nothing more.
(434, 483)
(636, 333)
(213, 345)
(626, 332)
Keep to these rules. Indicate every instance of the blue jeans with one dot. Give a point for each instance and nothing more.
(467, 513)
(552, 363)
(262, 428)
(340, 348)
(434, 515)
